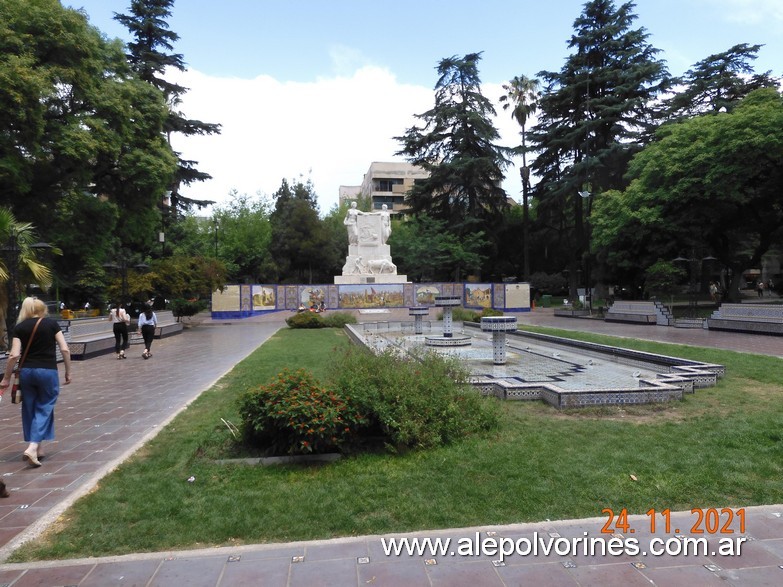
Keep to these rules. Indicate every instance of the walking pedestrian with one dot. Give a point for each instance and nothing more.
(120, 320)
(148, 321)
(39, 379)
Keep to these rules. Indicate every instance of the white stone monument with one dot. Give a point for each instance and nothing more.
(369, 257)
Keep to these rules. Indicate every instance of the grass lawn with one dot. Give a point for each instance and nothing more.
(722, 447)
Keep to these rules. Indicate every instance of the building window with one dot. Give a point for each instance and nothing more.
(385, 185)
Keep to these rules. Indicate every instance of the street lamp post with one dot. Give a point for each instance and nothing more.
(122, 267)
(585, 195)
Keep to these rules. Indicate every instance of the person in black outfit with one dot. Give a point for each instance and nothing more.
(120, 320)
(38, 378)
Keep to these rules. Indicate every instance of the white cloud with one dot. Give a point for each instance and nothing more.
(753, 12)
(329, 130)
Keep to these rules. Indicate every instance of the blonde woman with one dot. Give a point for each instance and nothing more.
(38, 379)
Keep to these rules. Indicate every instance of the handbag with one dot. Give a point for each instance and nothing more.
(16, 393)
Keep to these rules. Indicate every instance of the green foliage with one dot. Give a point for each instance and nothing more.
(426, 250)
(294, 414)
(186, 308)
(300, 243)
(148, 58)
(338, 319)
(183, 277)
(305, 319)
(243, 238)
(419, 403)
(461, 314)
(718, 82)
(702, 185)
(551, 283)
(663, 277)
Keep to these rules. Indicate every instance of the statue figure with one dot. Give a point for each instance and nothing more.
(359, 266)
(351, 224)
(385, 224)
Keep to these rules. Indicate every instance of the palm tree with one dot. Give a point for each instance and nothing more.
(522, 96)
(18, 264)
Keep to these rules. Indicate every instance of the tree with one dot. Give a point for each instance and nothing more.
(149, 55)
(719, 82)
(298, 238)
(18, 265)
(73, 118)
(709, 184)
(523, 94)
(596, 112)
(243, 239)
(425, 250)
(456, 147)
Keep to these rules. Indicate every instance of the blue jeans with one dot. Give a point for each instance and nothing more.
(40, 388)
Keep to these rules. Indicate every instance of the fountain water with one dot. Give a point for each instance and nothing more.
(517, 365)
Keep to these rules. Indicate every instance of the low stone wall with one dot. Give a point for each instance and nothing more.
(634, 312)
(750, 318)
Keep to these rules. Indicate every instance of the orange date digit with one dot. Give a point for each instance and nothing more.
(607, 529)
(709, 520)
(621, 524)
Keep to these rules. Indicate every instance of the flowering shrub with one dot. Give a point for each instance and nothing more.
(418, 402)
(293, 414)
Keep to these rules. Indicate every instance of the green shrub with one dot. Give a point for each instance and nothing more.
(305, 320)
(294, 414)
(412, 403)
(186, 308)
(460, 314)
(338, 319)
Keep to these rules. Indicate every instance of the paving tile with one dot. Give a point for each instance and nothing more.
(396, 573)
(190, 571)
(352, 550)
(609, 575)
(121, 574)
(549, 574)
(54, 576)
(756, 577)
(692, 575)
(272, 572)
(325, 573)
(752, 554)
(468, 575)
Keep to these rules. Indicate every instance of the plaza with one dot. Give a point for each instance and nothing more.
(104, 417)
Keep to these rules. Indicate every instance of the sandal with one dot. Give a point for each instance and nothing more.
(31, 459)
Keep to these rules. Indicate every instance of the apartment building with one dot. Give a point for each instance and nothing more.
(385, 183)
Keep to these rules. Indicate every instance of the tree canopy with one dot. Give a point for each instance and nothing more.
(709, 184)
(456, 145)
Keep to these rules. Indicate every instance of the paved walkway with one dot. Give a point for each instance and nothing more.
(113, 407)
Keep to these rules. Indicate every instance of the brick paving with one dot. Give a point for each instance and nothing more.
(113, 407)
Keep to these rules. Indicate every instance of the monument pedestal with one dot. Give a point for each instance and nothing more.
(362, 279)
(369, 257)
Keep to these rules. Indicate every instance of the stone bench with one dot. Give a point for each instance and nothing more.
(636, 312)
(95, 336)
(753, 318)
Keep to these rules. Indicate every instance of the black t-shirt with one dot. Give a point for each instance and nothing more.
(43, 350)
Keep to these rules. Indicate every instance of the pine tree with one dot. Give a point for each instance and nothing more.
(149, 54)
(719, 82)
(456, 146)
(595, 113)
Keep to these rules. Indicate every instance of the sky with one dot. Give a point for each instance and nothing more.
(318, 89)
